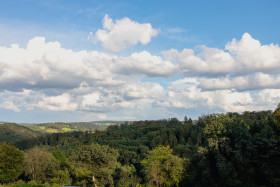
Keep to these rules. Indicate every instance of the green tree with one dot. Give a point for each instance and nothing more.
(276, 114)
(62, 177)
(162, 167)
(11, 162)
(125, 175)
(39, 164)
(241, 150)
(95, 164)
(64, 163)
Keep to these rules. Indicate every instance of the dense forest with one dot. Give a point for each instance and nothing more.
(215, 150)
(11, 132)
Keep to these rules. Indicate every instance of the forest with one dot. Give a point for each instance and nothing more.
(232, 149)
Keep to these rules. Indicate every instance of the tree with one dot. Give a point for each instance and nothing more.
(95, 161)
(61, 158)
(62, 177)
(125, 175)
(11, 162)
(162, 167)
(276, 114)
(240, 151)
(39, 164)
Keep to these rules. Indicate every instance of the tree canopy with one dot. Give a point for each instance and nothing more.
(229, 149)
(11, 162)
(162, 167)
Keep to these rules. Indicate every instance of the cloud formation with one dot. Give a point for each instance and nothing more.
(47, 65)
(244, 56)
(120, 34)
(245, 75)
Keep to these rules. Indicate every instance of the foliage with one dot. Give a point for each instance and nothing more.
(11, 162)
(162, 167)
(241, 150)
(62, 177)
(39, 164)
(125, 175)
(276, 114)
(10, 132)
(216, 150)
(95, 161)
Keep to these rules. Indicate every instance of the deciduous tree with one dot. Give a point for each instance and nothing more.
(162, 167)
(40, 163)
(95, 161)
(11, 162)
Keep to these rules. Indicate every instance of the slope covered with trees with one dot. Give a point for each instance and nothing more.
(216, 150)
(11, 132)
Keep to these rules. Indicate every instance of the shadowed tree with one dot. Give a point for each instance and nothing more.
(11, 162)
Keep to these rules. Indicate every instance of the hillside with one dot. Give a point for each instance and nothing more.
(11, 132)
(60, 127)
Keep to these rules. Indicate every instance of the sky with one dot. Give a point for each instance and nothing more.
(69, 60)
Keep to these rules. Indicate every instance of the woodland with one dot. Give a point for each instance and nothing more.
(232, 149)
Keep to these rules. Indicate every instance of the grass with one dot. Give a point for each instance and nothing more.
(65, 129)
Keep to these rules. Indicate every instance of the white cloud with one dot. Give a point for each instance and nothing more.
(123, 33)
(244, 56)
(10, 106)
(254, 57)
(256, 81)
(51, 78)
(58, 103)
(145, 63)
(47, 65)
(268, 98)
(206, 63)
(143, 91)
(185, 93)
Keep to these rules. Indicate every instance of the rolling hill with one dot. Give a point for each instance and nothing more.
(60, 127)
(11, 132)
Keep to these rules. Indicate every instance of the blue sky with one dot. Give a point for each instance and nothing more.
(131, 60)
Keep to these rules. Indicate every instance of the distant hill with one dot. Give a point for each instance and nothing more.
(59, 127)
(11, 132)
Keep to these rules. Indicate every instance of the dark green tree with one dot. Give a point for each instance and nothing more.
(94, 164)
(11, 163)
(125, 175)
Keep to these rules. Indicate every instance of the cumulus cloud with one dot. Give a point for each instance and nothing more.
(45, 76)
(185, 93)
(268, 98)
(10, 106)
(244, 56)
(243, 65)
(254, 81)
(89, 99)
(252, 56)
(145, 63)
(58, 103)
(120, 34)
(206, 63)
(47, 65)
